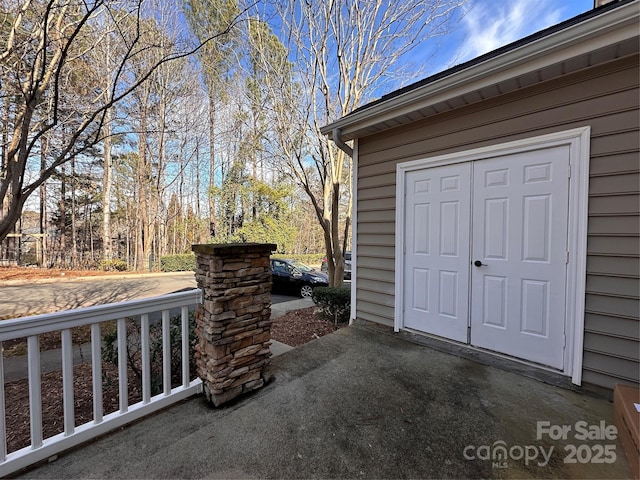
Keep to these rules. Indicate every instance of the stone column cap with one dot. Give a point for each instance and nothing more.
(233, 248)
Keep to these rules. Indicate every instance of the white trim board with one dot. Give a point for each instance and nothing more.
(354, 232)
(578, 142)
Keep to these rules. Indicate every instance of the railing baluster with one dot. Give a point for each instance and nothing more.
(67, 382)
(166, 353)
(31, 327)
(96, 372)
(146, 362)
(123, 380)
(3, 422)
(185, 346)
(35, 396)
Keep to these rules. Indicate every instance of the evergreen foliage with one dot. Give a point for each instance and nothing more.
(334, 303)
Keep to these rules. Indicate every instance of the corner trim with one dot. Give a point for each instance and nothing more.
(354, 231)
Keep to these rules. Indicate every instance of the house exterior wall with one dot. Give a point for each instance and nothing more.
(605, 98)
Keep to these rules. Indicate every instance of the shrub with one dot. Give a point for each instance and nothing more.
(333, 303)
(115, 265)
(134, 349)
(178, 263)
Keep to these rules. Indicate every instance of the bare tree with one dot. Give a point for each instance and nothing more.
(47, 43)
(216, 60)
(343, 54)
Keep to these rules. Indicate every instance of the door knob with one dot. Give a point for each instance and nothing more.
(478, 263)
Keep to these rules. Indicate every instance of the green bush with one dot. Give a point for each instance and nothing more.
(178, 263)
(115, 265)
(134, 350)
(333, 303)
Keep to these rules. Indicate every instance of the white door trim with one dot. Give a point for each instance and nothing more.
(578, 141)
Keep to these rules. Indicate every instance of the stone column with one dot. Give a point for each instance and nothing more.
(233, 322)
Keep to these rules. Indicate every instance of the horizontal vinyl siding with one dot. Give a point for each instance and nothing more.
(604, 98)
(618, 246)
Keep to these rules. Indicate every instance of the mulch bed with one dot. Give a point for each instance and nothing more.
(294, 328)
(298, 327)
(17, 402)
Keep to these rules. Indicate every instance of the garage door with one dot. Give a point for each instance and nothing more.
(485, 253)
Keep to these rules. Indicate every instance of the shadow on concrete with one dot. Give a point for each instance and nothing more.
(360, 404)
(21, 300)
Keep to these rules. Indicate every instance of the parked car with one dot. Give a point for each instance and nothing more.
(295, 277)
(347, 265)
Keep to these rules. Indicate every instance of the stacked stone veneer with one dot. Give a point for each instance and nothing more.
(233, 323)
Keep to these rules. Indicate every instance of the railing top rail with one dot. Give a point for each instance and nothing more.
(49, 322)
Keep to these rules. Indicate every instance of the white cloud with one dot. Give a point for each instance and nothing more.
(490, 24)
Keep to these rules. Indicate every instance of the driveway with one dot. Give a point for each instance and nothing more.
(32, 298)
(44, 297)
(365, 404)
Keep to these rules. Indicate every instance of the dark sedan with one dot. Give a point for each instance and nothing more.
(296, 277)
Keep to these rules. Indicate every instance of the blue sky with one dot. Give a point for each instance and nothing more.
(490, 24)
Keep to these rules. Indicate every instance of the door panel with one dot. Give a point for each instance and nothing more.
(436, 276)
(519, 234)
(513, 225)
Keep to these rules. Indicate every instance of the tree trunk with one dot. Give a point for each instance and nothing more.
(63, 217)
(43, 205)
(212, 163)
(74, 234)
(107, 184)
(143, 198)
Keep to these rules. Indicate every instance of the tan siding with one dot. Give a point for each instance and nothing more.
(378, 263)
(603, 303)
(549, 97)
(378, 216)
(451, 135)
(375, 286)
(385, 170)
(625, 349)
(379, 192)
(376, 181)
(609, 205)
(614, 163)
(386, 228)
(613, 245)
(364, 314)
(385, 313)
(386, 276)
(605, 380)
(612, 184)
(612, 225)
(605, 364)
(374, 298)
(604, 98)
(378, 251)
(615, 142)
(627, 265)
(387, 240)
(615, 326)
(625, 286)
(374, 205)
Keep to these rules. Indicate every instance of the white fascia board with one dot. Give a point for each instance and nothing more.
(606, 29)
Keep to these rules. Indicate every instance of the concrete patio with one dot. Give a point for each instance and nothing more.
(364, 404)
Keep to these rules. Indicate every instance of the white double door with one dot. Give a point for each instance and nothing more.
(485, 253)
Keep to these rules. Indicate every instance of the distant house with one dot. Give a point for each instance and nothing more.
(497, 204)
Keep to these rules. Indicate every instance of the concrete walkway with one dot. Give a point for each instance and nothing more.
(364, 404)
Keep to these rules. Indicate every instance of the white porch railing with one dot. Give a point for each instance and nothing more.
(32, 327)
